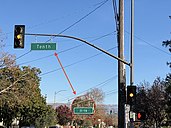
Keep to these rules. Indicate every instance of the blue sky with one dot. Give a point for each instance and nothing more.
(87, 67)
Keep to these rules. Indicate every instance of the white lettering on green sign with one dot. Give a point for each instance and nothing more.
(43, 46)
(83, 110)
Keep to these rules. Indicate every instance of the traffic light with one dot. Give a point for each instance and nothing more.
(131, 95)
(141, 116)
(19, 32)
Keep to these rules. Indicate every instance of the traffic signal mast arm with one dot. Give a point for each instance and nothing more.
(71, 37)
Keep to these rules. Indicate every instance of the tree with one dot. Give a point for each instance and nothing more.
(168, 97)
(100, 113)
(20, 94)
(152, 102)
(96, 94)
(64, 115)
(109, 120)
(82, 101)
(7, 60)
(21, 97)
(90, 99)
(167, 43)
(48, 118)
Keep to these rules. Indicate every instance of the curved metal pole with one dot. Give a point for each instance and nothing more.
(57, 93)
(75, 38)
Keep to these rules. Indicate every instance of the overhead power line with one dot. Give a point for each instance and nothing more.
(150, 44)
(116, 14)
(44, 57)
(85, 16)
(23, 55)
(153, 46)
(104, 83)
(75, 62)
(98, 38)
(45, 22)
(73, 23)
(111, 92)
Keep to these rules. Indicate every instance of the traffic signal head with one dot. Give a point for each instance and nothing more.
(19, 32)
(141, 116)
(131, 95)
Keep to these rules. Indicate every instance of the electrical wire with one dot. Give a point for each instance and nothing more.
(84, 17)
(66, 49)
(150, 44)
(44, 57)
(51, 20)
(96, 86)
(80, 19)
(17, 58)
(104, 83)
(116, 14)
(111, 92)
(70, 26)
(153, 46)
(23, 55)
(75, 62)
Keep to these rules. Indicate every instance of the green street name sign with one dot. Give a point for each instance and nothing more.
(83, 110)
(43, 46)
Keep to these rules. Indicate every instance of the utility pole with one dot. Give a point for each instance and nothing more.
(121, 69)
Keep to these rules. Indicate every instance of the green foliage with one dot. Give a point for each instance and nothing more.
(167, 43)
(48, 118)
(89, 100)
(87, 123)
(20, 97)
(152, 102)
(168, 97)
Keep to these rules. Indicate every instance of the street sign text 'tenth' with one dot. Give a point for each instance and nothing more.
(43, 46)
(83, 110)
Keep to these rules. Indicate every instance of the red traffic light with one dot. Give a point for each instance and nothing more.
(141, 116)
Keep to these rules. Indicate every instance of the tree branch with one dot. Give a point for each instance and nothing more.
(4, 90)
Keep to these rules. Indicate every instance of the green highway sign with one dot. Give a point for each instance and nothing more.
(83, 110)
(43, 46)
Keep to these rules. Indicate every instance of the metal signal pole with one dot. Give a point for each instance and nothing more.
(132, 45)
(121, 69)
